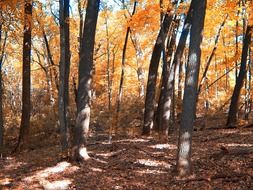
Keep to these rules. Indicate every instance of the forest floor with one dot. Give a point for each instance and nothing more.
(222, 159)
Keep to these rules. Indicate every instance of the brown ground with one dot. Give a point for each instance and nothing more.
(222, 159)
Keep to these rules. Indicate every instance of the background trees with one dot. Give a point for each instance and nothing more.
(117, 46)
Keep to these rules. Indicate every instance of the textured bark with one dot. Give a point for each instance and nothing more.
(191, 85)
(233, 109)
(63, 96)
(84, 79)
(178, 56)
(152, 75)
(26, 83)
(164, 103)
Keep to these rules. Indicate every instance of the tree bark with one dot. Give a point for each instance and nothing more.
(84, 79)
(190, 92)
(64, 73)
(164, 103)
(233, 109)
(26, 83)
(2, 50)
(152, 75)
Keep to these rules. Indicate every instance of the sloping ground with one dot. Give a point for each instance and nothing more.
(222, 159)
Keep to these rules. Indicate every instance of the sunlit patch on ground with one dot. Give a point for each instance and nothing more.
(150, 171)
(96, 169)
(5, 181)
(231, 131)
(164, 146)
(56, 185)
(236, 145)
(131, 140)
(153, 163)
(109, 154)
(42, 176)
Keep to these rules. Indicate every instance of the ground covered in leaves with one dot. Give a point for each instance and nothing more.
(222, 159)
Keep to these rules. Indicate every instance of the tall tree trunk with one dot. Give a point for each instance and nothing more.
(152, 75)
(209, 60)
(233, 109)
(140, 71)
(26, 83)
(2, 50)
(84, 79)
(177, 60)
(109, 87)
(119, 98)
(64, 73)
(248, 101)
(191, 86)
(164, 103)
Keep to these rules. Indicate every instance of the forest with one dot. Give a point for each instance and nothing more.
(126, 94)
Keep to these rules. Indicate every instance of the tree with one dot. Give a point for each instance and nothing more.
(64, 73)
(26, 83)
(233, 109)
(120, 93)
(152, 74)
(84, 79)
(190, 89)
(2, 50)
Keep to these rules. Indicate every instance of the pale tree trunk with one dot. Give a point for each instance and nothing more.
(64, 74)
(190, 92)
(152, 75)
(140, 71)
(233, 109)
(26, 83)
(84, 81)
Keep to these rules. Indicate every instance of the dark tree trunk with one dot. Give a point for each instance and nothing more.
(248, 100)
(64, 73)
(209, 60)
(51, 61)
(152, 75)
(26, 83)
(109, 87)
(80, 12)
(177, 60)
(233, 109)
(164, 103)
(85, 77)
(2, 50)
(119, 98)
(190, 92)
